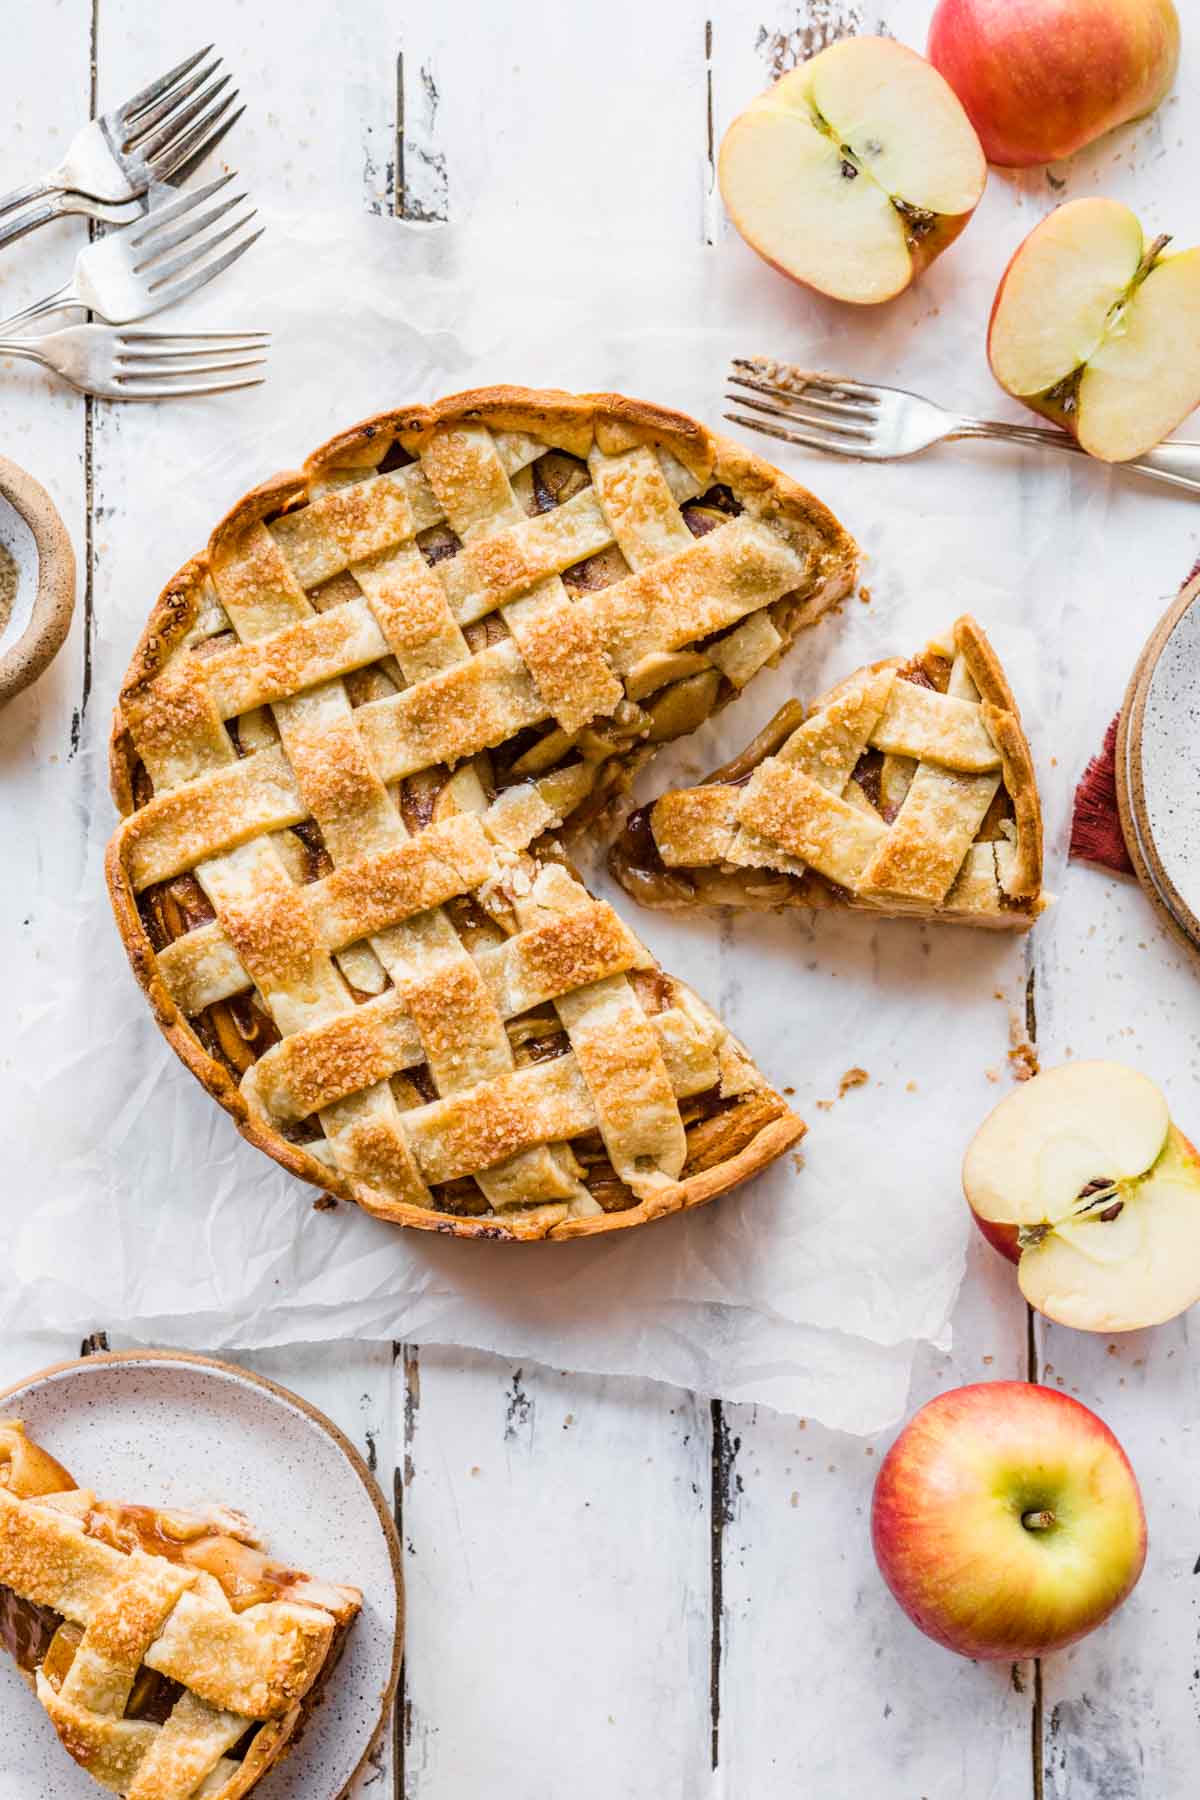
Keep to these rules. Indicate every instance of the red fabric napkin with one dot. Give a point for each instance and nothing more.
(1096, 834)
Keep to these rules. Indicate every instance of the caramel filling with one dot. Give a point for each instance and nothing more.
(247, 1576)
(238, 1031)
(635, 861)
(26, 1630)
(40, 1639)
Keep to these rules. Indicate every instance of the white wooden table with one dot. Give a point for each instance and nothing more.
(614, 1588)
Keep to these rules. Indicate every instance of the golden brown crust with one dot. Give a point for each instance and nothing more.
(1004, 722)
(173, 616)
(570, 422)
(769, 1144)
(679, 852)
(782, 498)
(192, 1598)
(710, 455)
(693, 1191)
(278, 1738)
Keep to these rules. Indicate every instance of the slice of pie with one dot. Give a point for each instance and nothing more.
(346, 741)
(908, 789)
(174, 1658)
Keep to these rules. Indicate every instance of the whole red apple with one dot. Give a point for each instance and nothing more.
(1039, 79)
(1007, 1521)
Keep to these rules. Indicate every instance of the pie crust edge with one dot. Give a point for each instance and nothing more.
(1004, 724)
(277, 1738)
(564, 419)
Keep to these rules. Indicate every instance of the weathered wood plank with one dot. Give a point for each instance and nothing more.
(556, 1539)
(587, 119)
(568, 1547)
(47, 81)
(825, 1686)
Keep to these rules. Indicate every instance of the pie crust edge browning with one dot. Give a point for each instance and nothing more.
(636, 863)
(571, 422)
(149, 1677)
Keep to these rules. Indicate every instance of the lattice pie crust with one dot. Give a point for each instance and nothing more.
(908, 789)
(173, 1657)
(344, 745)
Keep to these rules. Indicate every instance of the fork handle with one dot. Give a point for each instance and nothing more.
(29, 348)
(1175, 463)
(29, 221)
(36, 190)
(55, 302)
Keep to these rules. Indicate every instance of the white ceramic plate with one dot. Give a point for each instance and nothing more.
(1164, 773)
(181, 1431)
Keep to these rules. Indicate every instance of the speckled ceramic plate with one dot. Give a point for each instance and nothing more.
(1158, 764)
(167, 1428)
(35, 540)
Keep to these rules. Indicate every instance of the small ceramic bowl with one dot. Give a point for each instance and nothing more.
(36, 538)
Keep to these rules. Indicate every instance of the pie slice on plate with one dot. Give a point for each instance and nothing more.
(908, 789)
(346, 741)
(172, 1655)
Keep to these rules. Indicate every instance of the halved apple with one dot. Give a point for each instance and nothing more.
(855, 171)
(1098, 330)
(1082, 1173)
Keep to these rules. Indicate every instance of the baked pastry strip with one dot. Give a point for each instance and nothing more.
(908, 789)
(172, 1656)
(418, 613)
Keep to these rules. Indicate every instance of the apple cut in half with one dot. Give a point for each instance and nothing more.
(1099, 331)
(855, 171)
(1081, 1177)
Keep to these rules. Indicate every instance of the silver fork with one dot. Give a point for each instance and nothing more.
(145, 365)
(105, 212)
(160, 135)
(881, 424)
(131, 274)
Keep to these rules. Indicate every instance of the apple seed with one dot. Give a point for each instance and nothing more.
(918, 220)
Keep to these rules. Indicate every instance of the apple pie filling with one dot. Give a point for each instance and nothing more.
(671, 695)
(345, 751)
(239, 1030)
(871, 799)
(668, 695)
(44, 1644)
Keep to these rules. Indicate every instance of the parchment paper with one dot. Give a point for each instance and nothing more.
(131, 1202)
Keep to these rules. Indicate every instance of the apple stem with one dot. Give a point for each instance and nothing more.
(1038, 1521)
(1153, 253)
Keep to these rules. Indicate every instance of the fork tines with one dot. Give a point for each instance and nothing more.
(141, 102)
(157, 365)
(834, 409)
(177, 120)
(193, 238)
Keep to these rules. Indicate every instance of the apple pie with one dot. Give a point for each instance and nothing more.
(345, 747)
(908, 789)
(173, 1657)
